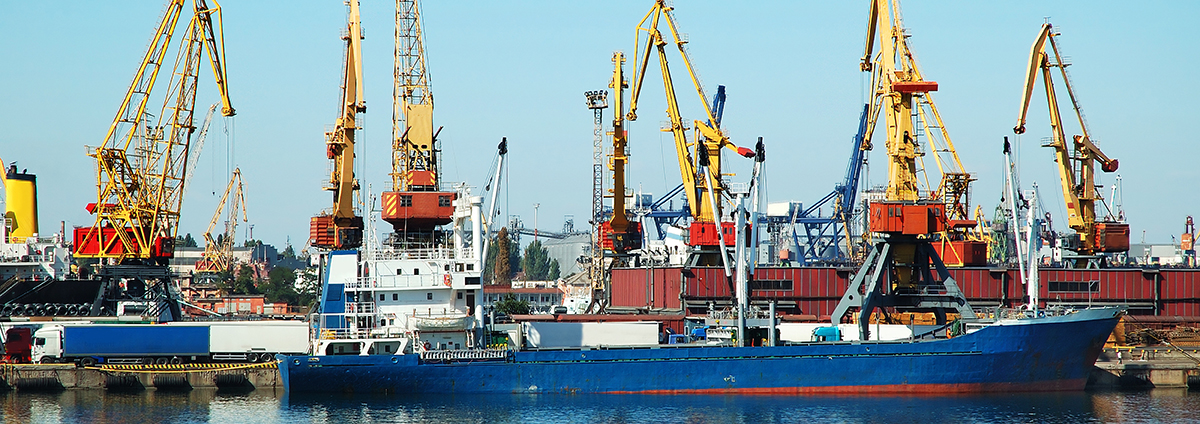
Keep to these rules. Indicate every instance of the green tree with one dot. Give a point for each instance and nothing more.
(537, 263)
(554, 272)
(510, 306)
(185, 241)
(244, 282)
(309, 287)
(280, 286)
(289, 252)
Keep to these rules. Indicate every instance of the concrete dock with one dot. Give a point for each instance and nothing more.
(1147, 367)
(51, 377)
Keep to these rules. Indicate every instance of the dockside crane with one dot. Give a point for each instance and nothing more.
(904, 271)
(417, 204)
(218, 251)
(700, 158)
(342, 228)
(142, 163)
(1076, 160)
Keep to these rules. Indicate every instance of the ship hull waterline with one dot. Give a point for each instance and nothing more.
(1042, 354)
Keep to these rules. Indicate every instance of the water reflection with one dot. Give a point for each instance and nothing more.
(267, 406)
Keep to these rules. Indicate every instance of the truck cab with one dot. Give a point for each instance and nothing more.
(47, 344)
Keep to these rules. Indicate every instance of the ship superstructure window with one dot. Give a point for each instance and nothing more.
(428, 296)
(416, 271)
(405, 200)
(399, 271)
(443, 201)
(381, 298)
(460, 295)
(771, 285)
(1075, 286)
(395, 296)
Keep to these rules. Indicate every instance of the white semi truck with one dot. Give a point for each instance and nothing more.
(169, 343)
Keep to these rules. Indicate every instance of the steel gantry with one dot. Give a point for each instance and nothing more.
(342, 228)
(1076, 160)
(142, 164)
(699, 159)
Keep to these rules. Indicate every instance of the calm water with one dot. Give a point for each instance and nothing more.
(264, 406)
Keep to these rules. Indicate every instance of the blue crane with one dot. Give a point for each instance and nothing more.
(822, 234)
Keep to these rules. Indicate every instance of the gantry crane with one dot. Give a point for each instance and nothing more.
(417, 205)
(343, 227)
(904, 270)
(142, 164)
(218, 251)
(699, 159)
(1076, 162)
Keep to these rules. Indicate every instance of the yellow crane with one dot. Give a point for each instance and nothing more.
(343, 227)
(142, 163)
(1076, 160)
(904, 270)
(904, 97)
(700, 158)
(417, 203)
(218, 251)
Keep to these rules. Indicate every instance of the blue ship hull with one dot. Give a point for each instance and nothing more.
(1042, 354)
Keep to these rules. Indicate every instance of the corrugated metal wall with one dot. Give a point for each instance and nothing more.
(816, 291)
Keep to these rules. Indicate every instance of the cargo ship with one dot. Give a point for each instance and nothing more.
(407, 320)
(413, 349)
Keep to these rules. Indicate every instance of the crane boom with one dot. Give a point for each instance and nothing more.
(343, 228)
(142, 166)
(700, 169)
(218, 251)
(1075, 160)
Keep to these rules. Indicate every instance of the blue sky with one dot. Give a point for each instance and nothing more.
(519, 70)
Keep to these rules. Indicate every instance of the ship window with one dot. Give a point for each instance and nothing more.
(416, 271)
(1075, 286)
(443, 201)
(460, 295)
(387, 348)
(470, 267)
(395, 296)
(428, 296)
(405, 200)
(458, 267)
(447, 267)
(771, 285)
(381, 296)
(399, 271)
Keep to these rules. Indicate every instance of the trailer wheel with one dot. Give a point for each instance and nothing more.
(88, 362)
(161, 361)
(268, 357)
(147, 360)
(176, 360)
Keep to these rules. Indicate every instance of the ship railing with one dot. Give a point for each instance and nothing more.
(999, 313)
(414, 253)
(360, 307)
(458, 355)
(344, 333)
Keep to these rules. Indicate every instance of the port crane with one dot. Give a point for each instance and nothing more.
(1076, 160)
(142, 164)
(218, 251)
(417, 203)
(700, 159)
(903, 270)
(342, 228)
